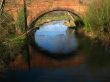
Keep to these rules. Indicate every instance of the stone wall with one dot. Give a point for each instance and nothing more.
(38, 6)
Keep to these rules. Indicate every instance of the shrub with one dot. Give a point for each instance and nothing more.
(97, 17)
(7, 29)
(7, 26)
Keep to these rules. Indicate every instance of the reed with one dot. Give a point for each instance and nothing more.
(97, 17)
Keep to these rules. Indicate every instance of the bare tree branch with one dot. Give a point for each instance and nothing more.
(2, 6)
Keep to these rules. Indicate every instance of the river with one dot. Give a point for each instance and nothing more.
(80, 60)
(56, 38)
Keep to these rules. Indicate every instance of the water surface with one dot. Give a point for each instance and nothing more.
(90, 64)
(55, 37)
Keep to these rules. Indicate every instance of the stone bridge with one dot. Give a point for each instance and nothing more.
(39, 7)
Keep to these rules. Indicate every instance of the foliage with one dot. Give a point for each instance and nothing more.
(7, 26)
(10, 45)
(20, 20)
(97, 17)
(7, 29)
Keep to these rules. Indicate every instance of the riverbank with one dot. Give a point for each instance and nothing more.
(102, 38)
(53, 16)
(96, 52)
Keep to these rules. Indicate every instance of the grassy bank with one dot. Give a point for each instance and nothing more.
(10, 42)
(97, 31)
(52, 16)
(97, 20)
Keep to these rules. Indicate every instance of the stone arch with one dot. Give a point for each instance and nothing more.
(42, 13)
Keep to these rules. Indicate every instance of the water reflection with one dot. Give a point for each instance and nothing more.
(55, 37)
(91, 64)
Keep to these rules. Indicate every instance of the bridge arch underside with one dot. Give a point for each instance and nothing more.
(41, 14)
(31, 35)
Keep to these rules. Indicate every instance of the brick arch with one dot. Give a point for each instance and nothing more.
(42, 13)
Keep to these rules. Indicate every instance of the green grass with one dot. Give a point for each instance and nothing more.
(97, 17)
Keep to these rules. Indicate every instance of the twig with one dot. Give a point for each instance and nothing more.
(26, 31)
(2, 7)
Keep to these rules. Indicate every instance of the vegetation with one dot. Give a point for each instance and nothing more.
(53, 16)
(6, 25)
(97, 28)
(20, 20)
(97, 19)
(10, 43)
(7, 29)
